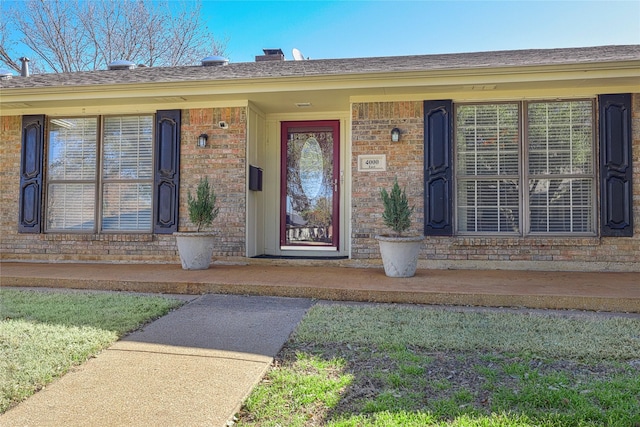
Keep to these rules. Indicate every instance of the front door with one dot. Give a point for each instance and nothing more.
(310, 189)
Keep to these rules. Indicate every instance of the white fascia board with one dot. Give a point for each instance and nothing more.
(372, 81)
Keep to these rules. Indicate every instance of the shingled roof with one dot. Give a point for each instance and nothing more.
(332, 67)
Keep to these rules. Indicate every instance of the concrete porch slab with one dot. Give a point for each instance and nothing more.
(603, 291)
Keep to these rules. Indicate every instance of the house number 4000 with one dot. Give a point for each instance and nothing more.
(372, 162)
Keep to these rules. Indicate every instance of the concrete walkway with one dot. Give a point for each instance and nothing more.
(193, 367)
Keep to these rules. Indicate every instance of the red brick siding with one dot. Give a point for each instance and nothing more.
(223, 161)
(372, 124)
(10, 130)
(371, 134)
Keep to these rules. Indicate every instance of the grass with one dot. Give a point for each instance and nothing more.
(44, 334)
(386, 365)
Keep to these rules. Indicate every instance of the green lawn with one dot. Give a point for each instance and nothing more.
(385, 365)
(44, 334)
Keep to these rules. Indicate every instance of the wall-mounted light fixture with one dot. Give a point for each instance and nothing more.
(395, 135)
(202, 140)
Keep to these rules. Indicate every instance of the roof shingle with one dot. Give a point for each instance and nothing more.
(328, 67)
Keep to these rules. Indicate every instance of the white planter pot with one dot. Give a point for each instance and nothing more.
(400, 254)
(195, 249)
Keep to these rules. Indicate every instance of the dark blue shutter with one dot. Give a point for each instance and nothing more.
(438, 168)
(31, 171)
(167, 171)
(616, 196)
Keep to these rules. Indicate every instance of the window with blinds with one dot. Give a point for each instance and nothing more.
(488, 177)
(100, 174)
(533, 174)
(560, 166)
(71, 171)
(127, 173)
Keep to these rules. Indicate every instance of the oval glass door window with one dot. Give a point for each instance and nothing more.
(311, 167)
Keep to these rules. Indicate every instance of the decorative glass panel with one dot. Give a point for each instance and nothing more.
(310, 187)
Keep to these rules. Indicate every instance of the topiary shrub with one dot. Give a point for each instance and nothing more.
(397, 213)
(202, 209)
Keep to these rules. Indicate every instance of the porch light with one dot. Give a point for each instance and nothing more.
(202, 140)
(395, 135)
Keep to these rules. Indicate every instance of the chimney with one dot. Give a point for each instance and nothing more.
(24, 72)
(271, 55)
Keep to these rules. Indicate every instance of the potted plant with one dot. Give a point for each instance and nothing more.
(196, 248)
(399, 252)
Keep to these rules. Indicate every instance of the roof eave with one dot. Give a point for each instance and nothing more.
(22, 98)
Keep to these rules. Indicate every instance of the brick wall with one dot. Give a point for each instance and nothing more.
(372, 124)
(10, 129)
(371, 134)
(223, 161)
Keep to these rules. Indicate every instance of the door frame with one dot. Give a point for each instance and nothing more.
(336, 177)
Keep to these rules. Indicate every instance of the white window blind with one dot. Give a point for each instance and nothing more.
(560, 166)
(123, 190)
(71, 206)
(561, 205)
(127, 173)
(126, 207)
(487, 168)
(553, 158)
(71, 169)
(128, 147)
(72, 149)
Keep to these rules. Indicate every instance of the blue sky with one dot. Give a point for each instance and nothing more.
(358, 28)
(349, 28)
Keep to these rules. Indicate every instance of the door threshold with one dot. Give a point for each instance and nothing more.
(324, 258)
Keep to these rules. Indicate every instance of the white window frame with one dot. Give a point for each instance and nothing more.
(524, 175)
